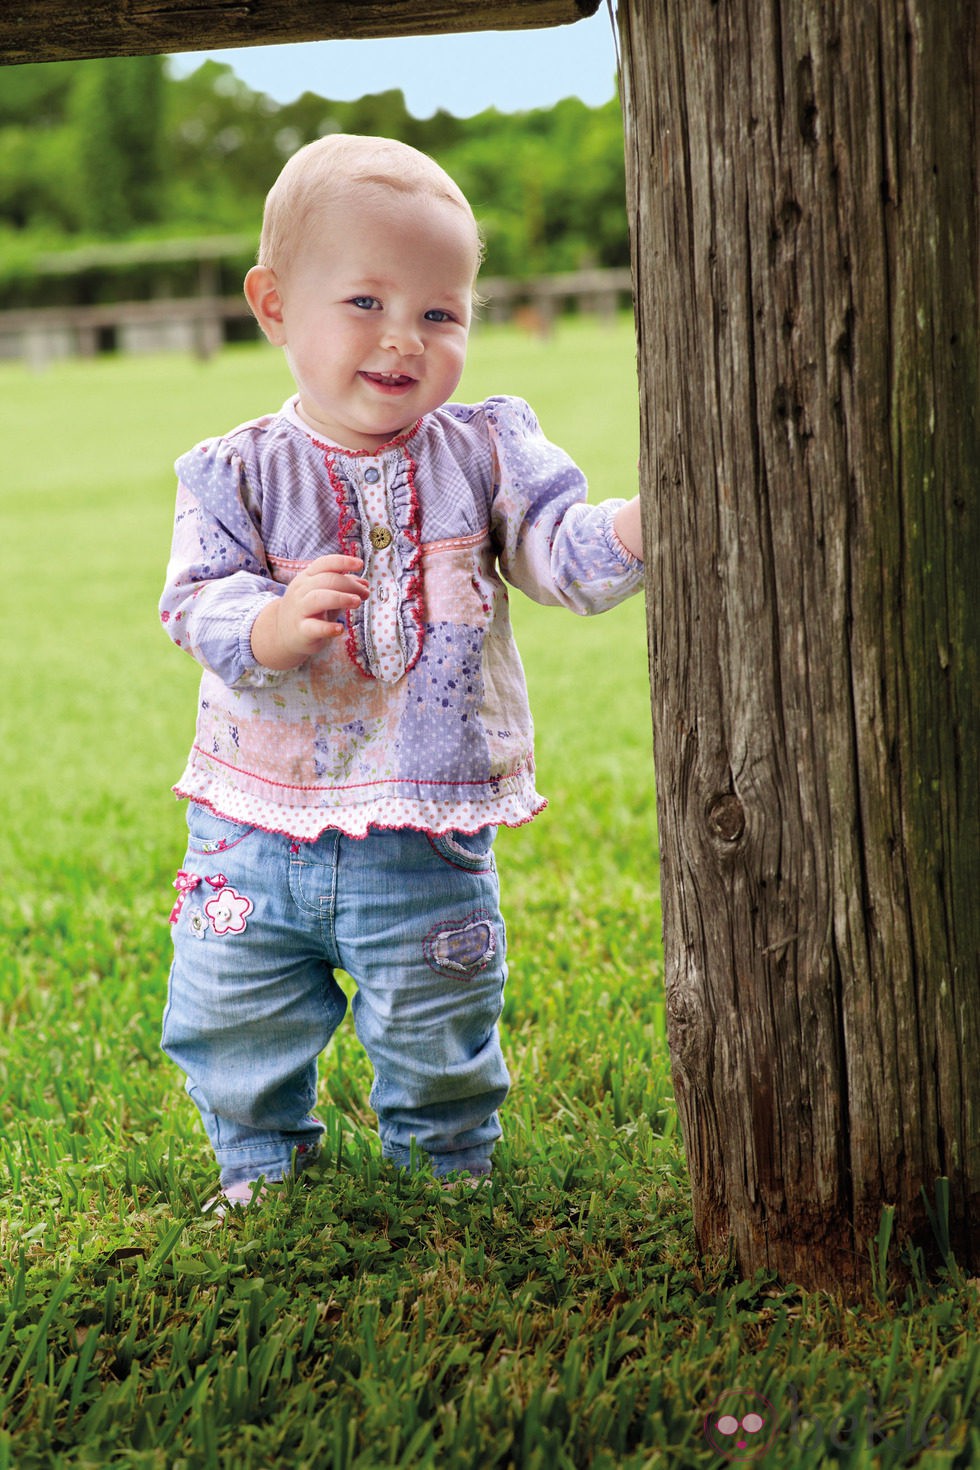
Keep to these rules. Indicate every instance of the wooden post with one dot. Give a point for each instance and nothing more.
(803, 184)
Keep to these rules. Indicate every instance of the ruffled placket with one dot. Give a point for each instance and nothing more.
(379, 522)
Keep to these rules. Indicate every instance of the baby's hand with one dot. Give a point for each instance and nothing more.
(291, 629)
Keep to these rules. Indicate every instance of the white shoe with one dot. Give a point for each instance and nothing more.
(236, 1197)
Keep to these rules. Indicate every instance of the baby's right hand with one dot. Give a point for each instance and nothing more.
(290, 630)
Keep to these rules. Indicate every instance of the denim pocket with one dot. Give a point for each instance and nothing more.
(209, 833)
(471, 851)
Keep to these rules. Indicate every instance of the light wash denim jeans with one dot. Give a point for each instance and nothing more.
(260, 925)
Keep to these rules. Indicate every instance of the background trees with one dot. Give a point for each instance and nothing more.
(118, 149)
(114, 120)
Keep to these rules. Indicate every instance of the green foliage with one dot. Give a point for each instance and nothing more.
(116, 117)
(81, 146)
(37, 94)
(548, 187)
(557, 1317)
(115, 148)
(37, 148)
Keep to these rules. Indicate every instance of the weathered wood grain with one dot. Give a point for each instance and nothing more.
(59, 30)
(804, 186)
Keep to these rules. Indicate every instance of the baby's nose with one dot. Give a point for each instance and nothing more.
(404, 337)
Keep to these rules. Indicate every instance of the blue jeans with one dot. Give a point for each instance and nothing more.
(261, 924)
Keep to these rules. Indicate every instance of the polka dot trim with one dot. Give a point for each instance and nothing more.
(386, 813)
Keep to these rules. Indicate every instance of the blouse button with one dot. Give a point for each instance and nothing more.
(372, 475)
(380, 537)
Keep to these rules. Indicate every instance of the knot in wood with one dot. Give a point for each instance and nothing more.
(726, 818)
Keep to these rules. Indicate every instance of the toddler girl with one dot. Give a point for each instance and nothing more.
(363, 726)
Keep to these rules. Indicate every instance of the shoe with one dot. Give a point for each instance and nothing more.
(236, 1197)
(465, 1180)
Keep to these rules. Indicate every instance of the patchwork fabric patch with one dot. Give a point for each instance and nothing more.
(460, 950)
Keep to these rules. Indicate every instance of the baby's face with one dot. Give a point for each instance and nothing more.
(376, 308)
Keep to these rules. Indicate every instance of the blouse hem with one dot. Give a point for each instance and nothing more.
(386, 814)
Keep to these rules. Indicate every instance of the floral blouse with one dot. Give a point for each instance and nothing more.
(419, 716)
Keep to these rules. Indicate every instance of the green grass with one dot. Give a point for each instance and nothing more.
(558, 1317)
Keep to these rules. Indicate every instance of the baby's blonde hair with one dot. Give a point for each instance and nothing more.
(324, 170)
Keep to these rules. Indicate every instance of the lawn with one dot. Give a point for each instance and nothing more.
(558, 1317)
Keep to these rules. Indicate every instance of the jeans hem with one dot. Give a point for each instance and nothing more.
(474, 1161)
(274, 1170)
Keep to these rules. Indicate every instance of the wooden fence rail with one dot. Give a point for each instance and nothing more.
(202, 324)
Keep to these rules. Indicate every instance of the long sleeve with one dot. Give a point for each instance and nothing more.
(551, 543)
(218, 579)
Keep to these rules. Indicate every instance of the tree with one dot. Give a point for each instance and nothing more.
(804, 188)
(118, 108)
(36, 153)
(558, 204)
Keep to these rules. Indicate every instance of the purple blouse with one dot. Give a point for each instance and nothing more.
(418, 717)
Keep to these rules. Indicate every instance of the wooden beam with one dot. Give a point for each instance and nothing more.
(63, 30)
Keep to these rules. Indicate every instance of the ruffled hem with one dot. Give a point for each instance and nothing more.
(384, 813)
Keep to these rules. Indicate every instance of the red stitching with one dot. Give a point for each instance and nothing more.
(395, 443)
(520, 770)
(346, 525)
(413, 587)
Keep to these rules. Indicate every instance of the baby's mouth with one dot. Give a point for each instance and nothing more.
(389, 380)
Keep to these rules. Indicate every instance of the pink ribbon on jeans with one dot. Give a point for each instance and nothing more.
(185, 883)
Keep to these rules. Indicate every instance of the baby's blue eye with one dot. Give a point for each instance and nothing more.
(366, 303)
(437, 315)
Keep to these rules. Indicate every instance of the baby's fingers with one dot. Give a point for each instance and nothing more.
(326, 601)
(317, 630)
(334, 562)
(343, 583)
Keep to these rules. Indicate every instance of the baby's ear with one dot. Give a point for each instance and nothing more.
(263, 296)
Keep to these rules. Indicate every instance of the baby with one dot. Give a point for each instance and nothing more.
(363, 726)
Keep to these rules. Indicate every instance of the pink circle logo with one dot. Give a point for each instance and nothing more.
(740, 1425)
